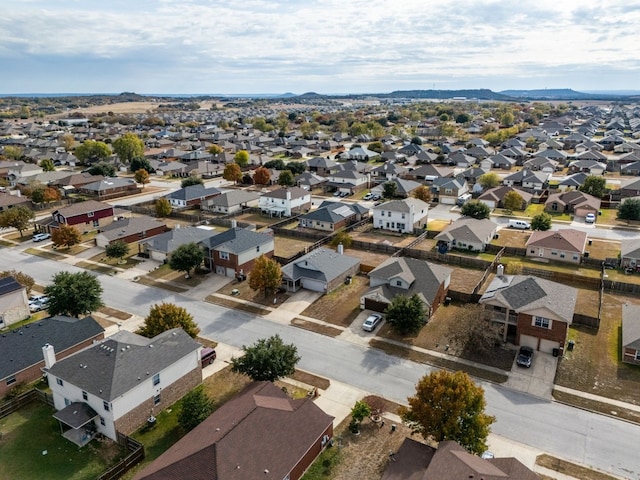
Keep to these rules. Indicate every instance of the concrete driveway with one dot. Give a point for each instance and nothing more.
(355, 334)
(536, 380)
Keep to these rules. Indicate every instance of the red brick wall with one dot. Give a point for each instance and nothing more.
(629, 356)
(557, 332)
(439, 298)
(84, 218)
(311, 454)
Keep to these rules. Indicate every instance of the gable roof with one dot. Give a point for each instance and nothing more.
(124, 227)
(233, 197)
(81, 208)
(193, 192)
(237, 240)
(524, 293)
(468, 229)
(281, 193)
(404, 205)
(109, 183)
(566, 239)
(260, 430)
(9, 284)
(333, 212)
(22, 347)
(321, 264)
(169, 241)
(119, 363)
(630, 247)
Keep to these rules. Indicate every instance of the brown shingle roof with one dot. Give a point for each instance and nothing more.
(568, 240)
(82, 207)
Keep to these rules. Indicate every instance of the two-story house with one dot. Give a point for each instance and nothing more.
(14, 305)
(118, 384)
(285, 202)
(401, 215)
(90, 213)
(447, 190)
(233, 252)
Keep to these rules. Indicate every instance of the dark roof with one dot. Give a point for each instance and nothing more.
(76, 414)
(192, 192)
(129, 226)
(322, 264)
(116, 365)
(631, 326)
(22, 347)
(332, 212)
(237, 240)
(261, 429)
(8, 285)
(81, 208)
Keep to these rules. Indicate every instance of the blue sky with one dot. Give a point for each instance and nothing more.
(326, 46)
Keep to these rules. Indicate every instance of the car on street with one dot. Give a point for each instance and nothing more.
(525, 356)
(590, 218)
(371, 322)
(39, 237)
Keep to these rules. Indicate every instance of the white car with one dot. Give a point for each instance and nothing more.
(39, 237)
(368, 196)
(590, 218)
(372, 322)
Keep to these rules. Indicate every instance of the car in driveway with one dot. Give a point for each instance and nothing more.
(207, 356)
(525, 356)
(368, 196)
(371, 322)
(39, 237)
(590, 218)
(38, 303)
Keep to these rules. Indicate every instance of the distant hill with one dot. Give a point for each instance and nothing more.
(480, 94)
(548, 94)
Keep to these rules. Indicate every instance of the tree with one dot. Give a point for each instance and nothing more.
(104, 169)
(141, 162)
(22, 278)
(629, 209)
(267, 360)
(276, 164)
(449, 406)
(261, 176)
(191, 180)
(186, 257)
(128, 147)
(90, 150)
(594, 185)
(475, 209)
(241, 158)
(67, 142)
(166, 316)
(296, 167)
(215, 149)
(37, 195)
(416, 140)
(341, 238)
(65, 236)
(541, 221)
(163, 207)
(422, 193)
(513, 201)
(51, 194)
(472, 333)
(286, 178)
(463, 118)
(489, 180)
(117, 249)
(359, 412)
(406, 314)
(17, 217)
(507, 119)
(47, 165)
(74, 294)
(389, 189)
(12, 152)
(196, 407)
(247, 179)
(266, 275)
(141, 176)
(232, 172)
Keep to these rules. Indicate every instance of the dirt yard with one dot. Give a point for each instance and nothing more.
(244, 292)
(340, 306)
(373, 235)
(512, 238)
(289, 246)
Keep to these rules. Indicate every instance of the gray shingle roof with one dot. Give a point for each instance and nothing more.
(22, 347)
(403, 206)
(129, 226)
(237, 240)
(167, 242)
(193, 192)
(233, 197)
(8, 285)
(468, 230)
(321, 264)
(119, 363)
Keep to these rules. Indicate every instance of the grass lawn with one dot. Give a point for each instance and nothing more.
(32, 430)
(127, 262)
(246, 293)
(96, 268)
(595, 365)
(43, 253)
(608, 216)
(565, 267)
(534, 209)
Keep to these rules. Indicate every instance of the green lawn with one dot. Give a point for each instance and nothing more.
(30, 432)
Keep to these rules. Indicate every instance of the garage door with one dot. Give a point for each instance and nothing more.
(371, 304)
(547, 346)
(313, 285)
(447, 200)
(529, 341)
(231, 272)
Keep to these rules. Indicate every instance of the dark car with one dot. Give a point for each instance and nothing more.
(207, 356)
(525, 356)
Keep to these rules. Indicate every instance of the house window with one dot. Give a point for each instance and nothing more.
(553, 252)
(542, 322)
(448, 191)
(403, 215)
(156, 399)
(67, 402)
(156, 379)
(257, 248)
(532, 251)
(90, 214)
(11, 380)
(85, 396)
(398, 283)
(575, 257)
(382, 213)
(60, 382)
(224, 255)
(561, 255)
(106, 406)
(102, 422)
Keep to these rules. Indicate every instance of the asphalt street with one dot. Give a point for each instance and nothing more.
(598, 441)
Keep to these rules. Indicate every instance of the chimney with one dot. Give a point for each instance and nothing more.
(500, 270)
(340, 249)
(288, 194)
(49, 356)
(234, 224)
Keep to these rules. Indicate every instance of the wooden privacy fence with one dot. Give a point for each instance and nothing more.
(135, 456)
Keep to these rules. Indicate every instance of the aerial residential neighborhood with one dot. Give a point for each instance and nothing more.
(382, 257)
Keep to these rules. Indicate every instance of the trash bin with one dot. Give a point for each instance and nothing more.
(556, 352)
(447, 301)
(570, 345)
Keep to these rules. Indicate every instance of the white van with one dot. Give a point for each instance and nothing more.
(521, 224)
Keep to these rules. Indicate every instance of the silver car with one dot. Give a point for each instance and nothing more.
(372, 322)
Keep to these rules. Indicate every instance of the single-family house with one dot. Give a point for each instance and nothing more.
(88, 213)
(401, 215)
(428, 173)
(406, 276)
(76, 181)
(543, 164)
(22, 360)
(573, 182)
(160, 247)
(572, 201)
(322, 166)
(538, 180)
(447, 190)
(14, 305)
(467, 234)
(630, 253)
(592, 167)
(403, 189)
(494, 197)
(332, 216)
(8, 201)
(310, 181)
(498, 161)
(320, 270)
(130, 230)
(566, 245)
(285, 202)
(418, 461)
(630, 188)
(234, 251)
(349, 180)
(631, 334)
(388, 170)
(261, 433)
(116, 385)
(111, 187)
(192, 196)
(537, 312)
(230, 202)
